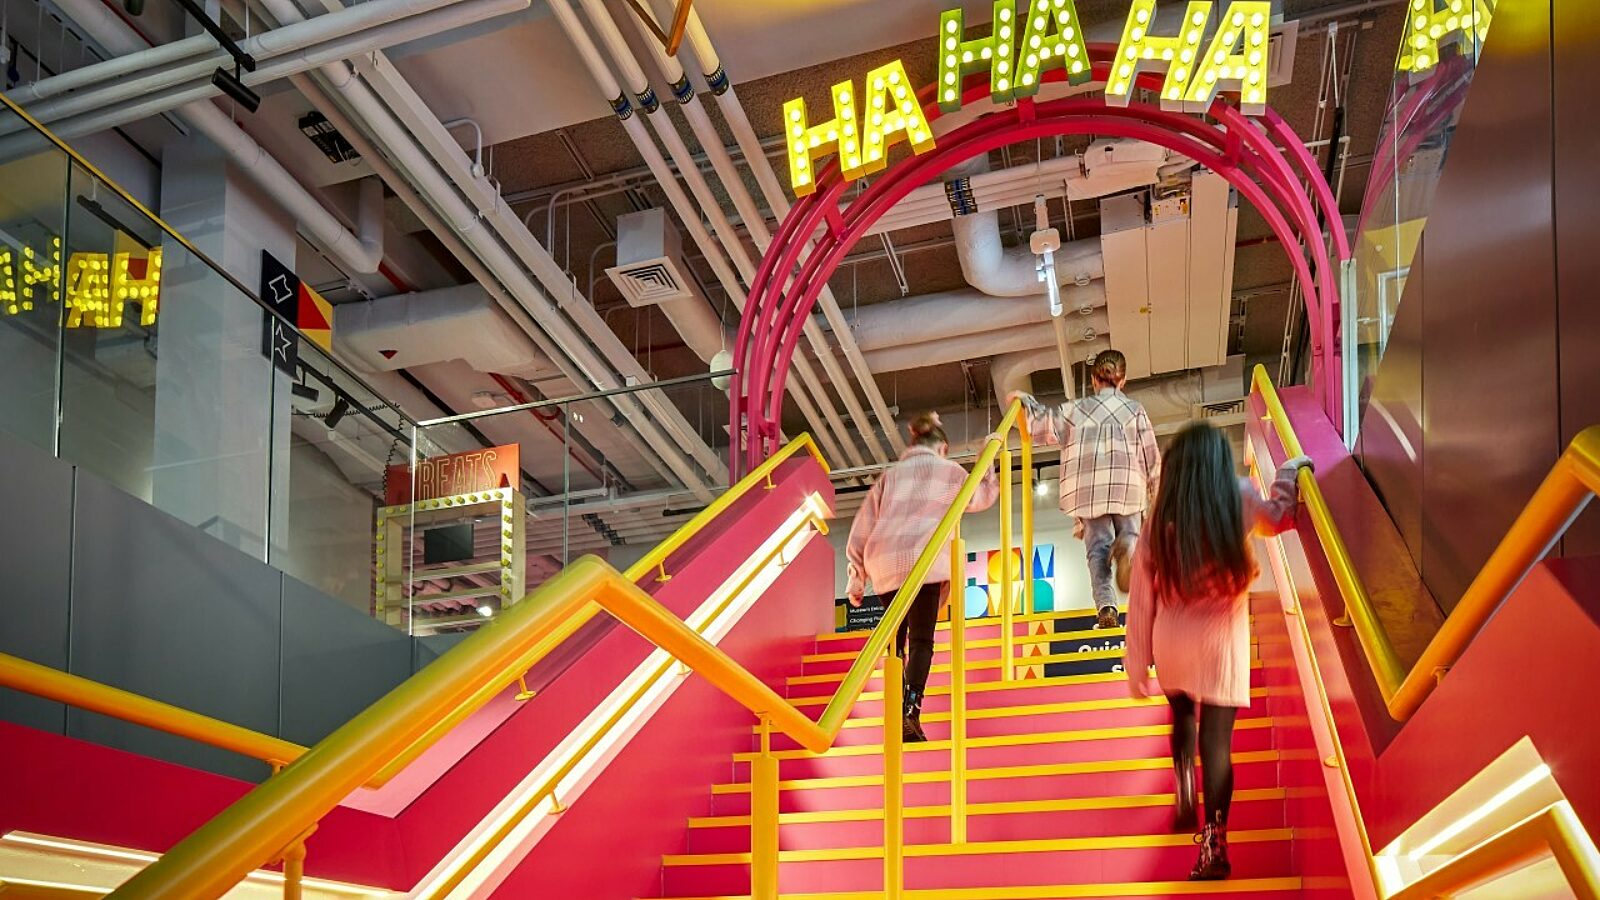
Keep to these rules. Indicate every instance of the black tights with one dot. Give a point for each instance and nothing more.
(1215, 734)
(914, 643)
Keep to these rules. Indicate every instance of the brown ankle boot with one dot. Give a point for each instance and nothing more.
(912, 732)
(1213, 864)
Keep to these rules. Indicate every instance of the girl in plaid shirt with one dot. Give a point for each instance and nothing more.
(1110, 466)
(891, 530)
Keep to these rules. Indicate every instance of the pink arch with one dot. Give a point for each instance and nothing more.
(785, 289)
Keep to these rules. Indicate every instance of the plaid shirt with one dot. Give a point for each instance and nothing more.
(901, 511)
(1110, 463)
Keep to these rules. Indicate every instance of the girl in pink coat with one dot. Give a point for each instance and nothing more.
(1189, 614)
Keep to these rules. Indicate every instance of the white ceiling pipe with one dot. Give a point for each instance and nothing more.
(931, 317)
(418, 329)
(712, 209)
(1014, 371)
(145, 104)
(443, 196)
(399, 389)
(829, 428)
(264, 47)
(767, 179)
(167, 54)
(360, 255)
(994, 268)
(754, 221)
(977, 346)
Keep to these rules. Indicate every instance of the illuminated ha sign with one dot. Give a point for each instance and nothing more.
(99, 286)
(1435, 23)
(1017, 52)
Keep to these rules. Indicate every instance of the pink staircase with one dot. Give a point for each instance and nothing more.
(1069, 787)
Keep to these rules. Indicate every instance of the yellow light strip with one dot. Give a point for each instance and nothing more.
(504, 833)
(1483, 811)
(144, 858)
(985, 848)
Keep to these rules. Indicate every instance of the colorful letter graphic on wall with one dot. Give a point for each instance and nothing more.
(985, 575)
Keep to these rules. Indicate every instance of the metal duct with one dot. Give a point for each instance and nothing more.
(984, 344)
(462, 322)
(932, 317)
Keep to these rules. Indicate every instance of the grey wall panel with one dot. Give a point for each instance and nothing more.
(1489, 321)
(36, 569)
(336, 661)
(432, 647)
(1392, 446)
(1577, 152)
(166, 612)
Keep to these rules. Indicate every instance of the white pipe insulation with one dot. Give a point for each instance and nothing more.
(772, 190)
(933, 317)
(898, 358)
(357, 254)
(828, 426)
(1014, 371)
(1001, 271)
(265, 47)
(754, 221)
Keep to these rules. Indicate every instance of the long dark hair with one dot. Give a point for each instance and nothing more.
(1196, 531)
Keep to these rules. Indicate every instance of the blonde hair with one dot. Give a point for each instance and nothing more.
(927, 431)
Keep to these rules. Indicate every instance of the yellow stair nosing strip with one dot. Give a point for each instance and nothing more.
(991, 643)
(980, 687)
(998, 808)
(1003, 740)
(981, 848)
(994, 622)
(990, 773)
(828, 677)
(1032, 709)
(1060, 891)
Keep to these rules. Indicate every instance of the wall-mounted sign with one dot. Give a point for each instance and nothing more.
(1433, 23)
(472, 472)
(1021, 46)
(98, 286)
(293, 299)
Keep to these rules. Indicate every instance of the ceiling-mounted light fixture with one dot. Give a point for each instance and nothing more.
(1045, 241)
(341, 406)
(229, 83)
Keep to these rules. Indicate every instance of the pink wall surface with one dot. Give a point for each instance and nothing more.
(68, 788)
(1523, 675)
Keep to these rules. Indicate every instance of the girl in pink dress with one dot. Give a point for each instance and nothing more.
(1189, 614)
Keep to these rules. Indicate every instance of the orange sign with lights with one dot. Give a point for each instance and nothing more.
(456, 474)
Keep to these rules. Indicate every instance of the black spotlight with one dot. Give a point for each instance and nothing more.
(229, 83)
(134, 7)
(337, 414)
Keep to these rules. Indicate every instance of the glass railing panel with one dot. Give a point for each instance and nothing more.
(611, 475)
(1413, 146)
(33, 226)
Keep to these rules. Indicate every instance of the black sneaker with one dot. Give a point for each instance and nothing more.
(1108, 618)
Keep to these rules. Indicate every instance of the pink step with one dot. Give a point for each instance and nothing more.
(1069, 716)
(1099, 861)
(1249, 773)
(1150, 742)
(1251, 811)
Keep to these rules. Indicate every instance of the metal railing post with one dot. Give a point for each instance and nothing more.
(764, 819)
(958, 690)
(1007, 602)
(1027, 515)
(893, 775)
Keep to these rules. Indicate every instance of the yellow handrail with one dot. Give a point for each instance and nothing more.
(269, 819)
(1565, 491)
(73, 690)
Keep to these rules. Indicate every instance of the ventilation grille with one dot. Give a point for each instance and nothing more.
(649, 283)
(1223, 409)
